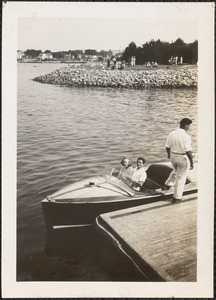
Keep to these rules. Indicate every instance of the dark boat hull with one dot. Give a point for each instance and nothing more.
(84, 214)
(79, 204)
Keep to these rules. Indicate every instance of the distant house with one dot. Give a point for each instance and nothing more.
(47, 55)
(79, 56)
(94, 57)
(20, 55)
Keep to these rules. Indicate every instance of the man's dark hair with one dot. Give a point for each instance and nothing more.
(184, 122)
(141, 158)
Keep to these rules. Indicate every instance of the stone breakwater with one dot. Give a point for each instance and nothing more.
(161, 78)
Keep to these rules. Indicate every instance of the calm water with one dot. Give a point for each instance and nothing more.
(66, 134)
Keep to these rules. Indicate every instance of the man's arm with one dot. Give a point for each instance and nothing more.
(190, 156)
(168, 152)
(135, 183)
(140, 182)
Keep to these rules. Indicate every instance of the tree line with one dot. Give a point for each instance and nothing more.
(61, 54)
(160, 52)
(153, 51)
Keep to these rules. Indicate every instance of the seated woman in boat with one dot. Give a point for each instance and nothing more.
(126, 170)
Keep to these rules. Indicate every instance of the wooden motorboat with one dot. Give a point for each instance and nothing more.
(78, 204)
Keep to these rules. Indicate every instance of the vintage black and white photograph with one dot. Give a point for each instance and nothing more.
(108, 158)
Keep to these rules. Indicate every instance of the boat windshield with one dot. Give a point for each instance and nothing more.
(110, 174)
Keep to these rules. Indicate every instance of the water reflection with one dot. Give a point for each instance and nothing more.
(86, 257)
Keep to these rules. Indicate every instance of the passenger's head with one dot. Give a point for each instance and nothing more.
(125, 162)
(185, 123)
(140, 162)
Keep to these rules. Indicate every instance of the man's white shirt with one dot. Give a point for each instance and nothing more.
(139, 175)
(179, 141)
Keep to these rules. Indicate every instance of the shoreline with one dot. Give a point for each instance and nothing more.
(136, 77)
(50, 62)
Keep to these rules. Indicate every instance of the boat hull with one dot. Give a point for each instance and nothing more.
(80, 203)
(84, 214)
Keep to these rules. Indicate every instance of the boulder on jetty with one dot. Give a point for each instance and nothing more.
(139, 79)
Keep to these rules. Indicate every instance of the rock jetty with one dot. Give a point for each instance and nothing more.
(135, 79)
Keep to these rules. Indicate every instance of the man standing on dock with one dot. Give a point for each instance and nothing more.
(178, 147)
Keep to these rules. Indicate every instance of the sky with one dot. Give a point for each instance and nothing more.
(101, 33)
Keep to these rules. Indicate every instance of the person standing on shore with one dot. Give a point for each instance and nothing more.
(179, 151)
(108, 62)
(114, 62)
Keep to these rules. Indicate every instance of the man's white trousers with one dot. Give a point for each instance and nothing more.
(178, 176)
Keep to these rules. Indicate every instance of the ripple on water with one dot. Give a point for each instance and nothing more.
(66, 134)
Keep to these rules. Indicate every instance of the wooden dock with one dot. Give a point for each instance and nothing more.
(159, 240)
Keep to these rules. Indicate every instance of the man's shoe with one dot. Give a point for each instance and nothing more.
(174, 200)
(166, 187)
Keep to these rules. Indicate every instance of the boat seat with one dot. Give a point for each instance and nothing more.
(150, 185)
(159, 173)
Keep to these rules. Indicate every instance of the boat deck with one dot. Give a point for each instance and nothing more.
(159, 239)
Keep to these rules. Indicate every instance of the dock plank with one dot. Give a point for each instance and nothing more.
(161, 234)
